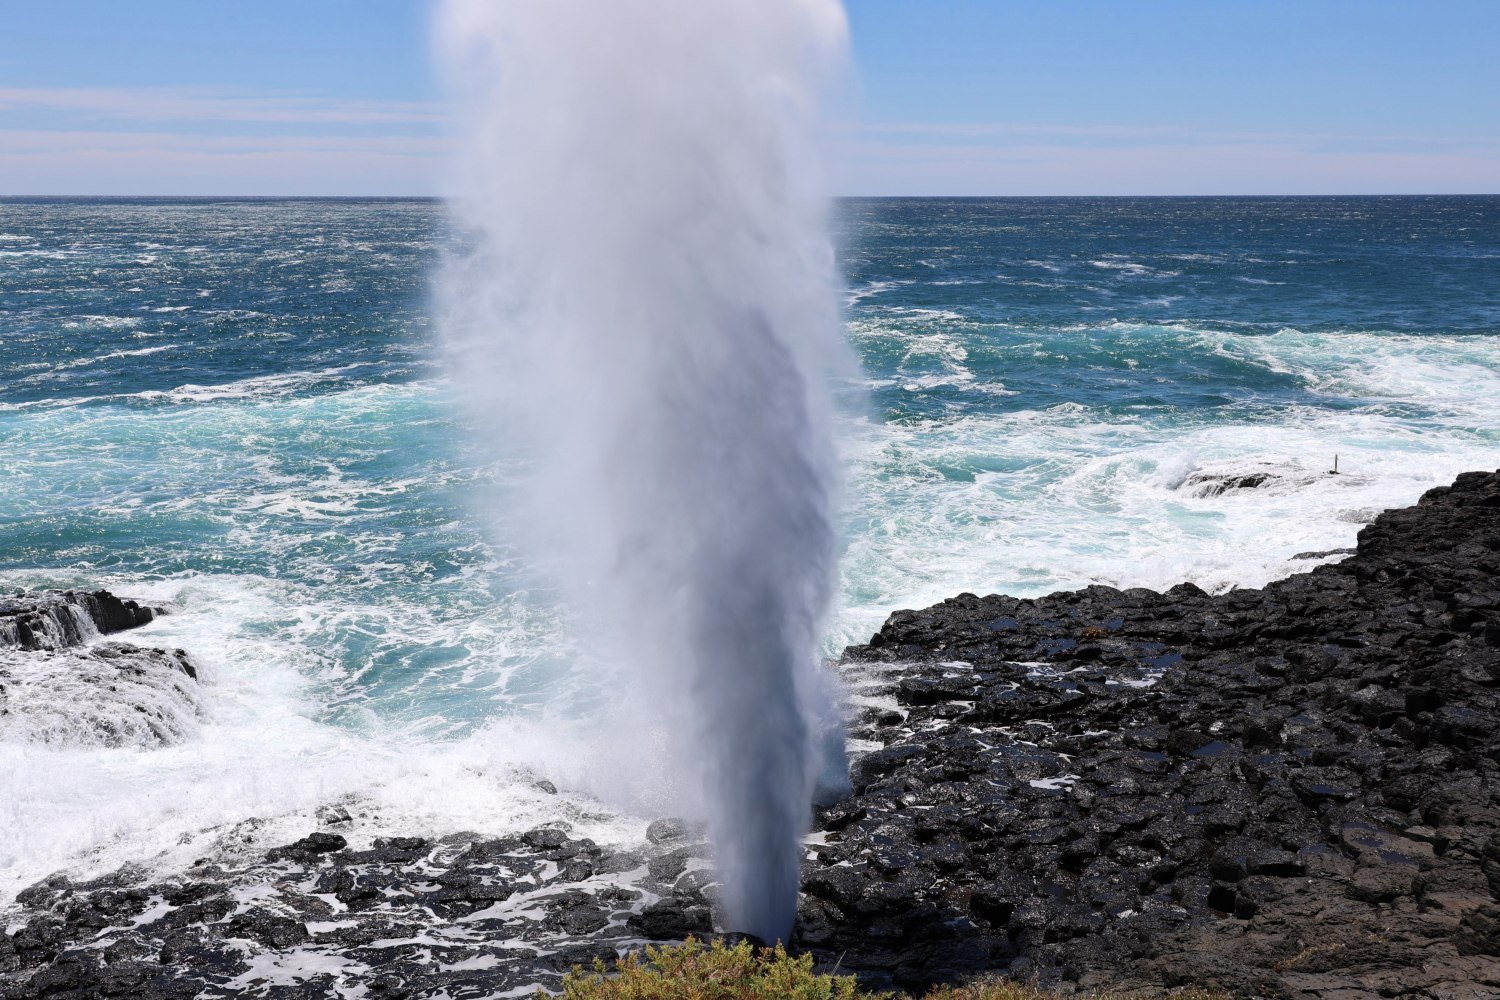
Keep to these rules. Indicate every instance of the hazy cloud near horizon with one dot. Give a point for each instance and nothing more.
(183, 104)
(188, 141)
(164, 141)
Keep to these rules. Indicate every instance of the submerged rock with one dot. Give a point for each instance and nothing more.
(1214, 482)
(109, 693)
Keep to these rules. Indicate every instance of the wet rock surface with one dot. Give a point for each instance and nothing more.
(463, 916)
(106, 693)
(1216, 481)
(1291, 792)
(58, 619)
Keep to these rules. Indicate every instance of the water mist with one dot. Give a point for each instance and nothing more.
(650, 310)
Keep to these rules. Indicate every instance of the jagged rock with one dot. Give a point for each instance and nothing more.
(665, 830)
(58, 619)
(1216, 482)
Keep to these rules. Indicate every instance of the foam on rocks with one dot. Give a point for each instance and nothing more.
(61, 683)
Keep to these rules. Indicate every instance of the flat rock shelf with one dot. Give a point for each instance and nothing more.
(1291, 792)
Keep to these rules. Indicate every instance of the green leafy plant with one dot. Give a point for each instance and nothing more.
(697, 971)
(694, 971)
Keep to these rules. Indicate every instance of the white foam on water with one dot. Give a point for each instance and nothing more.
(107, 322)
(112, 356)
(1131, 268)
(292, 967)
(1060, 782)
(259, 387)
(38, 254)
(259, 766)
(1034, 501)
(280, 386)
(869, 289)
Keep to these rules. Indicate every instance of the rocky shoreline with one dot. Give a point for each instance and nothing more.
(1291, 792)
(1287, 792)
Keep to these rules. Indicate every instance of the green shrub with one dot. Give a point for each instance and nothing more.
(695, 971)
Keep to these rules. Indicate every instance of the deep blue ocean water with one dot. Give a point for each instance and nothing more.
(238, 406)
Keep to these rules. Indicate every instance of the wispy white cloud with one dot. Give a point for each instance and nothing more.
(1138, 135)
(985, 130)
(61, 140)
(158, 141)
(149, 104)
(1210, 165)
(39, 162)
(22, 142)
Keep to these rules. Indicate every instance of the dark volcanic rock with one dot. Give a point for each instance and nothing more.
(1287, 792)
(663, 831)
(57, 619)
(316, 917)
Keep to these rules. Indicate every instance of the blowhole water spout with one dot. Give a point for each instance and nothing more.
(651, 310)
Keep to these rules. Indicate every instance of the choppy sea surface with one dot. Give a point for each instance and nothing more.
(239, 407)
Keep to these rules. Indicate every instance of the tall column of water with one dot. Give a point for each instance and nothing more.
(651, 309)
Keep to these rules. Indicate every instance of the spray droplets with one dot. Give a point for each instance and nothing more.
(651, 312)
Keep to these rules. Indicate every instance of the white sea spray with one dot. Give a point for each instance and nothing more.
(651, 314)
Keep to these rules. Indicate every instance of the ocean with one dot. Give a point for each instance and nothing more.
(239, 409)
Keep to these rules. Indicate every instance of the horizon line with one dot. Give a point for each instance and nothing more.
(837, 197)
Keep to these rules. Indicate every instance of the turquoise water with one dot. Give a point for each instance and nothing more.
(239, 407)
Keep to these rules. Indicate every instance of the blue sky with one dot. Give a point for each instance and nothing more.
(951, 97)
